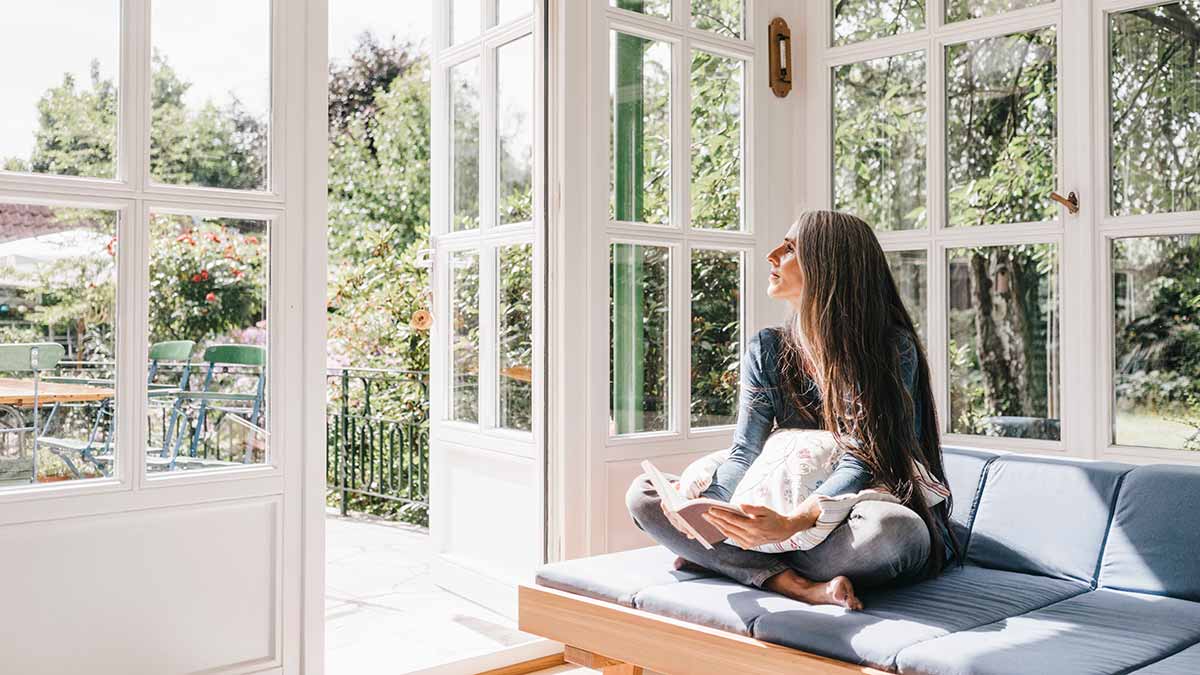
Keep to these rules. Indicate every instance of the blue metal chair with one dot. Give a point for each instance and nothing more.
(159, 395)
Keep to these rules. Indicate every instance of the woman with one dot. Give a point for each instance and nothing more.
(848, 361)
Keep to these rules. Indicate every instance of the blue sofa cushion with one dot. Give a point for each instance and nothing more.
(1186, 662)
(892, 619)
(1100, 632)
(964, 472)
(615, 577)
(1155, 536)
(1047, 516)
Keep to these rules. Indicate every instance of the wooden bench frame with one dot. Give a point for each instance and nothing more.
(618, 640)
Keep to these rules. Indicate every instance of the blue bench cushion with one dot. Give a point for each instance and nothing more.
(1100, 632)
(1186, 662)
(1155, 538)
(615, 577)
(964, 472)
(1046, 516)
(891, 620)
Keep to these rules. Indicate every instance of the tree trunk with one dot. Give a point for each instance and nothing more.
(999, 385)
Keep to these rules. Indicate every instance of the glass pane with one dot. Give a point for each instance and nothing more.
(659, 8)
(58, 284)
(1001, 129)
(60, 104)
(879, 139)
(464, 128)
(961, 10)
(1003, 349)
(209, 284)
(464, 336)
(721, 16)
(507, 10)
(1156, 301)
(857, 20)
(716, 336)
(639, 289)
(909, 269)
(641, 123)
(514, 92)
(211, 93)
(717, 141)
(514, 318)
(1154, 90)
(465, 20)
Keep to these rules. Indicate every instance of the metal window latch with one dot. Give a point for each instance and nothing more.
(1071, 201)
(780, 57)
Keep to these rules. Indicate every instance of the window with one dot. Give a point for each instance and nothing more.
(857, 20)
(1154, 100)
(1151, 228)
(60, 111)
(641, 116)
(486, 234)
(211, 93)
(58, 286)
(177, 253)
(207, 394)
(464, 336)
(679, 226)
(975, 250)
(879, 130)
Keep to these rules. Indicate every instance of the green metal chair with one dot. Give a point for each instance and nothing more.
(243, 409)
(36, 359)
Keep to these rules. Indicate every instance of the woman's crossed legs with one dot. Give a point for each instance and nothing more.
(878, 544)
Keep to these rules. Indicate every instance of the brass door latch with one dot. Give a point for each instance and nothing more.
(1071, 201)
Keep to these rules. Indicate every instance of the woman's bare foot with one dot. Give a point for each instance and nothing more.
(836, 591)
(684, 565)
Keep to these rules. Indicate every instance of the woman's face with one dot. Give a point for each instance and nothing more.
(786, 279)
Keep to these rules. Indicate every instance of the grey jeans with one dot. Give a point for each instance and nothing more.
(879, 543)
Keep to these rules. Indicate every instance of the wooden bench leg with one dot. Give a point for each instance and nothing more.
(581, 657)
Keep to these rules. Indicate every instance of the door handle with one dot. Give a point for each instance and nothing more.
(1071, 201)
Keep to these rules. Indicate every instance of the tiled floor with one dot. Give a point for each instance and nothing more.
(382, 612)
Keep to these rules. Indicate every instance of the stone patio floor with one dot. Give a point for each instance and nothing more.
(383, 614)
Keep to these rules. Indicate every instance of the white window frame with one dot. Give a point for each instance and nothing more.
(136, 196)
(937, 238)
(294, 204)
(487, 239)
(1085, 306)
(1110, 228)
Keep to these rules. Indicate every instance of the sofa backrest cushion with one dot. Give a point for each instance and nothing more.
(1154, 543)
(964, 472)
(1044, 515)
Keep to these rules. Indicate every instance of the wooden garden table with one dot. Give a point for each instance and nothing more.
(18, 393)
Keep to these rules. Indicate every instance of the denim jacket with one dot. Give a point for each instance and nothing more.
(762, 406)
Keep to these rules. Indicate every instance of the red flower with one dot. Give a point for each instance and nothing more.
(253, 241)
(196, 279)
(237, 274)
(211, 297)
(204, 275)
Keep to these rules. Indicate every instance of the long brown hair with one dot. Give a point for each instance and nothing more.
(844, 338)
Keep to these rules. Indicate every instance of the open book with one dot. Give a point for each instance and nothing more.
(689, 511)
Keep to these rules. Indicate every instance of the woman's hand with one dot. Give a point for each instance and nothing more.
(763, 525)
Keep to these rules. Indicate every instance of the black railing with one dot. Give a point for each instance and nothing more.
(377, 438)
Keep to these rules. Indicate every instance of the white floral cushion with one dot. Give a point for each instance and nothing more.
(792, 464)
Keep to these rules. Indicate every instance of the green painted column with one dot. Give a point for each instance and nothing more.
(627, 273)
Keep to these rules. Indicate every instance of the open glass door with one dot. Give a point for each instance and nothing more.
(689, 170)
(486, 462)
